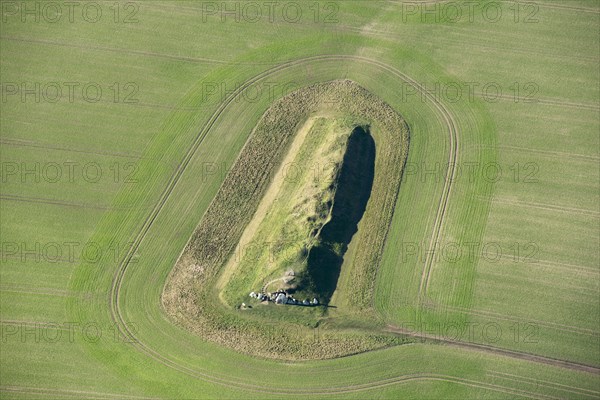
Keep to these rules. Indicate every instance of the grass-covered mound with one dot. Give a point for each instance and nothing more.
(192, 293)
(299, 234)
(353, 186)
(273, 250)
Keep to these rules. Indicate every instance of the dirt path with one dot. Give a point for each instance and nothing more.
(266, 285)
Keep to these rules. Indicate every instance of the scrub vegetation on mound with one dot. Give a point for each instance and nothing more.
(191, 296)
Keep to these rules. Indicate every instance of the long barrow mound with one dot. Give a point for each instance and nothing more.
(191, 297)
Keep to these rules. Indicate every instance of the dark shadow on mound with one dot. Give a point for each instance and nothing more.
(354, 185)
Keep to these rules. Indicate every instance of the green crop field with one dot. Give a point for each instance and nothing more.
(140, 147)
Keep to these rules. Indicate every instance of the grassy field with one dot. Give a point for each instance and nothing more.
(493, 243)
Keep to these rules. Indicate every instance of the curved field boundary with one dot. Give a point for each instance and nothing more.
(115, 310)
(116, 314)
(443, 203)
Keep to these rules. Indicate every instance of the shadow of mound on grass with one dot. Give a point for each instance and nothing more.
(354, 185)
